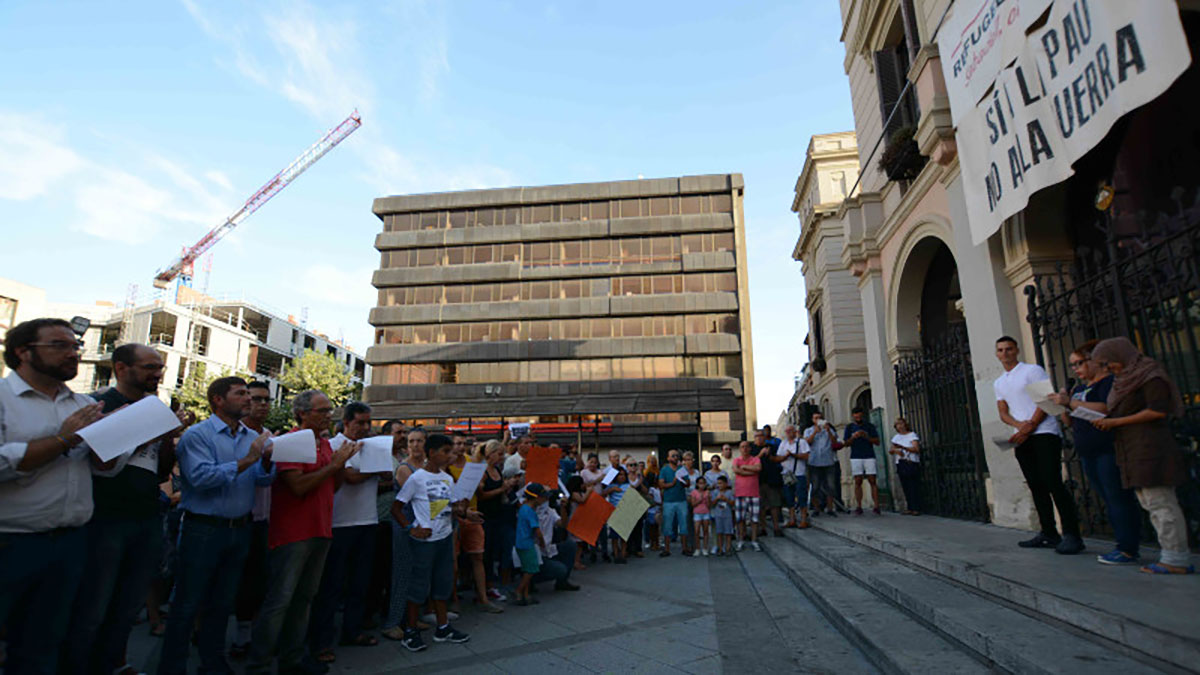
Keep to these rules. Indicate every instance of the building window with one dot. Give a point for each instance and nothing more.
(891, 75)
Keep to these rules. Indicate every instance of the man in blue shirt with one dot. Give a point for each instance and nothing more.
(672, 480)
(821, 463)
(221, 461)
(862, 437)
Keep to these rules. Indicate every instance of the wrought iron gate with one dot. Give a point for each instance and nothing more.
(1146, 288)
(936, 389)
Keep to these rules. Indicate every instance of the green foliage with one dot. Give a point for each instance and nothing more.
(280, 418)
(193, 395)
(322, 372)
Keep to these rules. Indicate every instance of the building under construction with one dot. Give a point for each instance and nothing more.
(612, 313)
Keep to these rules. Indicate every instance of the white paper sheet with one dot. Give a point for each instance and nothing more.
(124, 430)
(298, 446)
(465, 486)
(375, 455)
(518, 429)
(336, 442)
(1040, 393)
(609, 476)
(1087, 414)
(999, 433)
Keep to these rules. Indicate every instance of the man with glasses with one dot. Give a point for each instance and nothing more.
(254, 575)
(45, 491)
(299, 538)
(220, 462)
(125, 536)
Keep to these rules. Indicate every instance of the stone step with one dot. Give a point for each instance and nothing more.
(891, 639)
(1151, 615)
(1010, 639)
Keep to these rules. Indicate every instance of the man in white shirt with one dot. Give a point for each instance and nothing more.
(45, 491)
(1037, 444)
(348, 565)
(795, 492)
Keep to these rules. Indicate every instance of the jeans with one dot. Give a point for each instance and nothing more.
(1122, 504)
(1040, 458)
(347, 573)
(123, 555)
(675, 520)
(824, 483)
(253, 587)
(558, 569)
(795, 496)
(294, 576)
(39, 574)
(401, 571)
(207, 573)
(381, 571)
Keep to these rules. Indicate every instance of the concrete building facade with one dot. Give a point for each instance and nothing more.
(619, 305)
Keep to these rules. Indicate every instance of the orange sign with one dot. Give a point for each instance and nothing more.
(541, 466)
(590, 518)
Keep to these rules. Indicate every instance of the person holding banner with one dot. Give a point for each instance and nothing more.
(613, 493)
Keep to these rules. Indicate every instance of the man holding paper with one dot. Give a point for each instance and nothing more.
(45, 490)
(220, 463)
(348, 565)
(299, 538)
(1038, 448)
(125, 535)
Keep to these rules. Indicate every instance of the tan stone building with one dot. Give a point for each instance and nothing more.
(612, 313)
(932, 302)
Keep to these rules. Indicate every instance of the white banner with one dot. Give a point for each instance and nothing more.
(978, 39)
(1091, 63)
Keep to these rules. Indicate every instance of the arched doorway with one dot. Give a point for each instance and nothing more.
(935, 385)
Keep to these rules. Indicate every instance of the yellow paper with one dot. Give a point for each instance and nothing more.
(629, 509)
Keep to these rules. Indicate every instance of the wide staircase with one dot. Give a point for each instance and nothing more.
(924, 595)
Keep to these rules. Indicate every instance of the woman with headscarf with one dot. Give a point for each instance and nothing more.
(1142, 401)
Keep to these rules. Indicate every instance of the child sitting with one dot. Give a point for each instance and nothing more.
(700, 516)
(722, 502)
(529, 536)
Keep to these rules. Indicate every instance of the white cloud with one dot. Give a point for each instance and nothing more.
(219, 178)
(118, 206)
(33, 157)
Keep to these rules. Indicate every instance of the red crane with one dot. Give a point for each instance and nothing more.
(183, 265)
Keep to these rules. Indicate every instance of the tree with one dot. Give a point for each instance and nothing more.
(193, 395)
(313, 370)
(280, 419)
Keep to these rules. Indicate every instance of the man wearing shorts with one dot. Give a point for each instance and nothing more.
(745, 490)
(862, 437)
(770, 479)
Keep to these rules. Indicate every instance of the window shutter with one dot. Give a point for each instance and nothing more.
(889, 93)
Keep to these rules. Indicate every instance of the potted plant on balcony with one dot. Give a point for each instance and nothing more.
(901, 158)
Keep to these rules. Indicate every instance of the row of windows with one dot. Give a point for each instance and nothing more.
(560, 289)
(564, 253)
(561, 329)
(558, 213)
(582, 370)
(710, 421)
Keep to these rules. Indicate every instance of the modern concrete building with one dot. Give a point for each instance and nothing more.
(617, 310)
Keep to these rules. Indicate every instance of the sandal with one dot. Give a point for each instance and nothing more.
(1160, 568)
(325, 656)
(158, 629)
(362, 640)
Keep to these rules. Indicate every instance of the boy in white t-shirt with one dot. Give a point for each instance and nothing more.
(427, 491)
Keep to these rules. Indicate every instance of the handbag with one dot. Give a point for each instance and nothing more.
(789, 477)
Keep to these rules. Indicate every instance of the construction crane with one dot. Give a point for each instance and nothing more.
(183, 265)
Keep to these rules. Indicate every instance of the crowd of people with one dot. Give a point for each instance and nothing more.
(201, 523)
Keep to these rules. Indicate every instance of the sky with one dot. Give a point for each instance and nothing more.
(128, 130)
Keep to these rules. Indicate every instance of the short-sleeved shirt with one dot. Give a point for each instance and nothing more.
(1090, 441)
(614, 497)
(712, 475)
(298, 518)
(354, 503)
(131, 492)
(429, 496)
(1010, 388)
(527, 522)
(906, 441)
(700, 501)
(795, 465)
(821, 447)
(588, 476)
(745, 486)
(772, 472)
(717, 506)
(861, 448)
(677, 492)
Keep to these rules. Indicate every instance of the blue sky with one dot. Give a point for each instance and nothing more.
(127, 130)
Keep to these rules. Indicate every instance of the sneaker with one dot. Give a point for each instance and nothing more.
(737, 546)
(1040, 541)
(1116, 557)
(490, 607)
(756, 547)
(448, 633)
(412, 641)
(713, 551)
(704, 552)
(495, 595)
(858, 511)
(695, 554)
(1070, 545)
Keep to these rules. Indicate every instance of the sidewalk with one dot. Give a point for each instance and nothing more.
(1148, 613)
